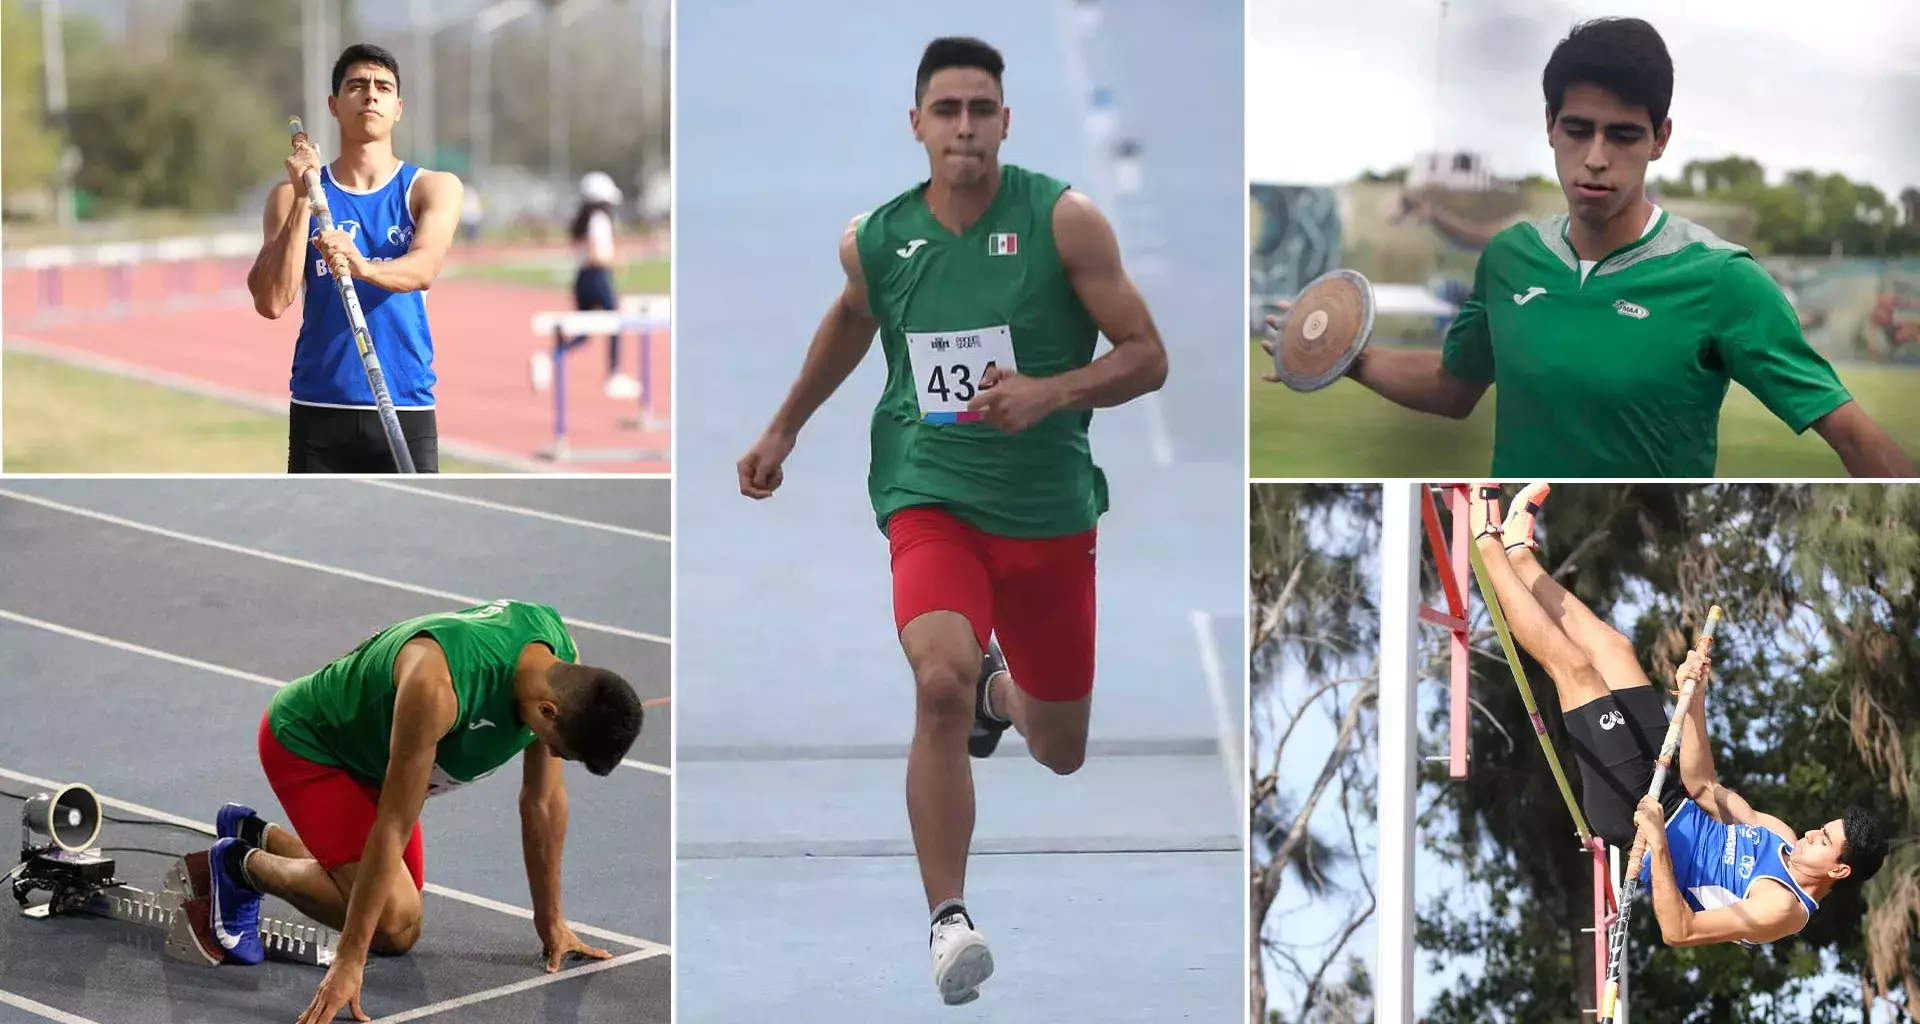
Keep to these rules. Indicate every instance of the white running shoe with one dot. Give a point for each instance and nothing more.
(961, 960)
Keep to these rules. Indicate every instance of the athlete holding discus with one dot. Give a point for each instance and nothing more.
(1614, 330)
(353, 751)
(988, 285)
(394, 222)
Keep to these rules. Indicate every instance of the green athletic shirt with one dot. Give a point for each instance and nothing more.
(342, 715)
(949, 306)
(1623, 374)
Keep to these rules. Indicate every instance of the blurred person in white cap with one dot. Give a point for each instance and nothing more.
(592, 234)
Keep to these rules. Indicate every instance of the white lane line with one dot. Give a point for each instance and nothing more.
(518, 986)
(1231, 739)
(438, 890)
(518, 510)
(524, 914)
(208, 666)
(41, 1009)
(301, 563)
(132, 648)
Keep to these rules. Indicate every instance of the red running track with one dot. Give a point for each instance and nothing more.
(482, 340)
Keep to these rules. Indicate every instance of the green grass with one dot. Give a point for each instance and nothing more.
(1348, 431)
(643, 277)
(60, 418)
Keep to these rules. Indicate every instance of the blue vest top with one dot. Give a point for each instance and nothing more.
(1716, 865)
(326, 364)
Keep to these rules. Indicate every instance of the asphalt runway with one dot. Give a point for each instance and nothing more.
(144, 626)
(1115, 894)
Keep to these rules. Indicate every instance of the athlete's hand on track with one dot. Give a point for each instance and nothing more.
(760, 473)
(557, 942)
(1011, 402)
(337, 244)
(304, 158)
(1273, 325)
(341, 987)
(1652, 821)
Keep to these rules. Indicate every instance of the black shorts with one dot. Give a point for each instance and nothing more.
(1616, 740)
(324, 440)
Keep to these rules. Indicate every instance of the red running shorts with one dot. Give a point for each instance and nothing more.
(331, 811)
(1037, 595)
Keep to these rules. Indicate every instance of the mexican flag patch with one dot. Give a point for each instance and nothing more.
(1003, 245)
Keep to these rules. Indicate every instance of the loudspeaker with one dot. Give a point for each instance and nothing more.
(69, 817)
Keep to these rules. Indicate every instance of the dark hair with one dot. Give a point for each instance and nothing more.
(1624, 56)
(600, 715)
(364, 53)
(1866, 844)
(956, 52)
(587, 210)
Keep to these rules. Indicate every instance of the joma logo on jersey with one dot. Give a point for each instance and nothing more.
(1625, 308)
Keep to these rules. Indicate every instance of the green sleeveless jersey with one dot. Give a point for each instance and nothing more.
(342, 715)
(950, 306)
(1619, 370)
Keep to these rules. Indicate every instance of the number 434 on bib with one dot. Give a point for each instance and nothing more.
(949, 365)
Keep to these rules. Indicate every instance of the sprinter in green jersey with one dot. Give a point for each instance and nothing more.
(1614, 331)
(988, 285)
(352, 751)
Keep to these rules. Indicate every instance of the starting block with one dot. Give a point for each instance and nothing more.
(80, 881)
(642, 315)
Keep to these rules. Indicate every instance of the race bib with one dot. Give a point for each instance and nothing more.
(948, 366)
(441, 783)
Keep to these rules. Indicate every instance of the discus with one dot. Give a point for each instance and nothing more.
(1325, 331)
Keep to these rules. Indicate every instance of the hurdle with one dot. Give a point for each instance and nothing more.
(61, 271)
(638, 315)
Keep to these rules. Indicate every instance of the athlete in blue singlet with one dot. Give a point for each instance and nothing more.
(1718, 870)
(393, 223)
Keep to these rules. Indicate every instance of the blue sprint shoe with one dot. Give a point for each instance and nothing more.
(234, 910)
(986, 726)
(226, 824)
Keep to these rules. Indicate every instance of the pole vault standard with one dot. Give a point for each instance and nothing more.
(1399, 741)
(1452, 562)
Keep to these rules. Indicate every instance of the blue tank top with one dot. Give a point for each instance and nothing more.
(326, 365)
(1716, 865)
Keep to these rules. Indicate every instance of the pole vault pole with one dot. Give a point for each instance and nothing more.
(1630, 884)
(1399, 609)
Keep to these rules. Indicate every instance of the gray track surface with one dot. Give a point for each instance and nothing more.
(1113, 894)
(181, 739)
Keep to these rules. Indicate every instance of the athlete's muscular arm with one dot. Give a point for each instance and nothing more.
(276, 278)
(841, 341)
(1864, 447)
(543, 831)
(1137, 363)
(424, 709)
(278, 271)
(1697, 774)
(543, 836)
(1417, 381)
(435, 205)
